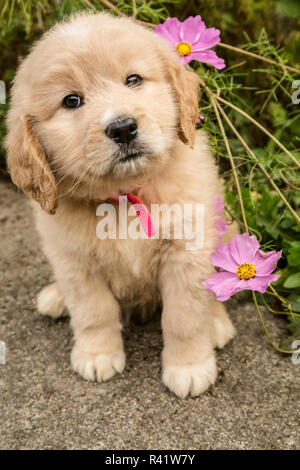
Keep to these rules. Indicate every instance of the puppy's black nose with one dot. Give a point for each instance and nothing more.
(123, 130)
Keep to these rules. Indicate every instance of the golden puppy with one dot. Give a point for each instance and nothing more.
(102, 107)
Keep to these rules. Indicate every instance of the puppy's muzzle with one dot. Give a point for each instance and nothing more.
(123, 130)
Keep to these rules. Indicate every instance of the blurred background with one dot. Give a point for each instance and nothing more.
(263, 90)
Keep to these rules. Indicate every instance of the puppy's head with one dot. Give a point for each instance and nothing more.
(99, 102)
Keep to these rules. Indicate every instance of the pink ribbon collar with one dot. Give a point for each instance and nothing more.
(142, 213)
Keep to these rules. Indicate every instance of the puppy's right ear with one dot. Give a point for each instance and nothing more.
(28, 165)
(185, 84)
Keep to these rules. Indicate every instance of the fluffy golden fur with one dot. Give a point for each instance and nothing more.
(64, 161)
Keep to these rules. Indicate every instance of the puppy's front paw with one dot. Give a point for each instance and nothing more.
(100, 367)
(192, 379)
(223, 329)
(50, 301)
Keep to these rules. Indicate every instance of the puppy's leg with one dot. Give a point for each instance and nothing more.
(98, 350)
(189, 365)
(50, 301)
(222, 328)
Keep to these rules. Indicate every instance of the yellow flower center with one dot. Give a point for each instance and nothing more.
(245, 271)
(184, 48)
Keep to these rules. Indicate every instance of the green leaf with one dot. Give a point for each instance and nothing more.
(279, 113)
(294, 330)
(292, 281)
(287, 222)
(294, 254)
(294, 299)
(289, 8)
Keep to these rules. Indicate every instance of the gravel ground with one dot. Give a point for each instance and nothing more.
(44, 405)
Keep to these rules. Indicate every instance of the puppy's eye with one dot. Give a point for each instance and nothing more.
(133, 80)
(72, 101)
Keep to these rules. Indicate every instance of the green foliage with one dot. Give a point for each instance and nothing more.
(294, 333)
(289, 8)
(292, 281)
(266, 27)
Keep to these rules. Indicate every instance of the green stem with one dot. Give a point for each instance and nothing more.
(236, 180)
(134, 9)
(264, 171)
(287, 182)
(262, 128)
(112, 7)
(258, 57)
(284, 351)
(277, 312)
(90, 5)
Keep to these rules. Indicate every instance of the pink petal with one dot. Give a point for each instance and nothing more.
(223, 284)
(244, 248)
(219, 204)
(208, 57)
(260, 284)
(221, 227)
(208, 38)
(186, 59)
(170, 30)
(265, 263)
(222, 258)
(191, 29)
(200, 119)
(162, 31)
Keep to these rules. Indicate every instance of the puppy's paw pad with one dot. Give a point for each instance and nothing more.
(50, 301)
(100, 367)
(191, 379)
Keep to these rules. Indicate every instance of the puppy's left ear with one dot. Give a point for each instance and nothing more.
(185, 84)
(28, 165)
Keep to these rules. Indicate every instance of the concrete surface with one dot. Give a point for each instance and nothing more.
(44, 405)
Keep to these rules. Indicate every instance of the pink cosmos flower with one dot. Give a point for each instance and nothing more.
(241, 266)
(200, 120)
(192, 40)
(221, 224)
